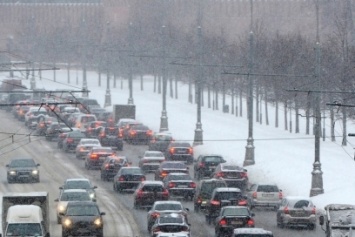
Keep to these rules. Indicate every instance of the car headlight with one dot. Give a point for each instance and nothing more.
(92, 195)
(12, 172)
(204, 202)
(67, 222)
(61, 208)
(98, 222)
(34, 172)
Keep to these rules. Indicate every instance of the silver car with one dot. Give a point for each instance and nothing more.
(296, 211)
(85, 145)
(264, 195)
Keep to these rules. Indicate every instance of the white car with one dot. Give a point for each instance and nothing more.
(85, 145)
(151, 160)
(67, 196)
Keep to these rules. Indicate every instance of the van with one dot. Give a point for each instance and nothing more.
(83, 120)
(252, 232)
(25, 220)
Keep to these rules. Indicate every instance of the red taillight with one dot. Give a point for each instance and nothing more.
(164, 173)
(166, 193)
(244, 175)
(223, 222)
(120, 134)
(140, 193)
(251, 222)
(102, 135)
(171, 185)
(192, 185)
(107, 166)
(220, 174)
(41, 125)
(121, 178)
(215, 202)
(172, 150)
(132, 133)
(255, 194)
(70, 140)
(199, 200)
(286, 211)
(280, 195)
(313, 210)
(143, 179)
(149, 132)
(82, 149)
(242, 202)
(202, 165)
(190, 150)
(155, 214)
(94, 156)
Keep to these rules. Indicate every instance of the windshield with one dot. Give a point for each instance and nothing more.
(168, 206)
(82, 210)
(24, 229)
(77, 185)
(23, 163)
(78, 196)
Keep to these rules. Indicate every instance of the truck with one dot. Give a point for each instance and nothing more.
(25, 214)
(123, 111)
(338, 220)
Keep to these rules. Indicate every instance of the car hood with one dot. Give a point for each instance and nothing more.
(23, 168)
(88, 219)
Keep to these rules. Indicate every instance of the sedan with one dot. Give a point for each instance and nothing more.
(170, 223)
(164, 207)
(151, 160)
(167, 167)
(111, 166)
(96, 157)
(111, 137)
(149, 192)
(180, 184)
(128, 178)
(71, 140)
(84, 147)
(296, 211)
(231, 217)
(23, 169)
(79, 183)
(139, 134)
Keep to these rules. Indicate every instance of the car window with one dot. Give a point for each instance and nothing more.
(171, 220)
(301, 204)
(212, 159)
(234, 212)
(227, 195)
(168, 206)
(267, 188)
(22, 163)
(79, 196)
(208, 187)
(77, 184)
(179, 177)
(82, 210)
(176, 165)
(152, 188)
(131, 171)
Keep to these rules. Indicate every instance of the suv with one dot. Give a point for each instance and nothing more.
(22, 169)
(204, 191)
(252, 232)
(265, 195)
(205, 165)
(234, 175)
(180, 151)
(223, 197)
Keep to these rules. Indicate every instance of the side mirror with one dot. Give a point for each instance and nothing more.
(187, 209)
(321, 220)
(102, 213)
(56, 200)
(94, 187)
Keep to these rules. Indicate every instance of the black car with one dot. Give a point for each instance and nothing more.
(160, 141)
(53, 130)
(82, 218)
(148, 192)
(180, 151)
(138, 134)
(72, 140)
(180, 184)
(205, 165)
(23, 169)
(110, 136)
(128, 178)
(96, 157)
(167, 167)
(111, 166)
(232, 217)
(224, 197)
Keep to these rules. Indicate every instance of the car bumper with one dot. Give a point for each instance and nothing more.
(289, 220)
(184, 158)
(182, 191)
(265, 203)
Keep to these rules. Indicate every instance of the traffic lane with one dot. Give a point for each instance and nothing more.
(55, 167)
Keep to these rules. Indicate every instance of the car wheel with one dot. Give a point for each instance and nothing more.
(100, 234)
(59, 220)
(280, 224)
(38, 180)
(9, 180)
(87, 166)
(135, 205)
(311, 226)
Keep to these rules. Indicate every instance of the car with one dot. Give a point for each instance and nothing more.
(252, 232)
(166, 167)
(70, 195)
(170, 223)
(234, 175)
(87, 103)
(43, 123)
(180, 184)
(106, 116)
(205, 165)
(232, 217)
(79, 183)
(128, 178)
(82, 218)
(84, 146)
(68, 114)
(223, 197)
(63, 133)
(296, 211)
(111, 137)
(264, 195)
(204, 190)
(178, 234)
(82, 120)
(111, 166)
(150, 161)
(53, 130)
(33, 114)
(160, 141)
(180, 151)
(96, 157)
(149, 192)
(125, 124)
(71, 140)
(164, 207)
(91, 128)
(22, 170)
(138, 134)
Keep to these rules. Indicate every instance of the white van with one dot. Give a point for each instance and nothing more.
(25, 220)
(83, 120)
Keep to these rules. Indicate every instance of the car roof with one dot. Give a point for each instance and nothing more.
(77, 179)
(234, 207)
(76, 190)
(151, 182)
(212, 180)
(82, 203)
(179, 234)
(177, 173)
(251, 231)
(227, 189)
(168, 201)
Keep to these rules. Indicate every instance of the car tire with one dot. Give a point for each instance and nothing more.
(135, 205)
(311, 226)
(280, 224)
(100, 234)
(10, 181)
(59, 220)
(38, 180)
(87, 166)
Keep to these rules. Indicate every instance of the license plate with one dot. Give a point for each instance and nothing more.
(236, 222)
(102, 158)
(182, 186)
(267, 195)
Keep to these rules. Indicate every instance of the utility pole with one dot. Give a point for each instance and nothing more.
(85, 85)
(130, 76)
(108, 91)
(249, 149)
(317, 174)
(164, 118)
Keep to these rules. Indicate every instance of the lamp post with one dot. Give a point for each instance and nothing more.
(130, 76)
(108, 91)
(85, 85)
(33, 81)
(164, 118)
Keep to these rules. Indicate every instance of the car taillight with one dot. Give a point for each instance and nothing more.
(199, 199)
(142, 178)
(94, 156)
(102, 135)
(149, 133)
(70, 140)
(132, 133)
(220, 174)
(280, 195)
(171, 185)
(120, 134)
(286, 211)
(255, 194)
(250, 222)
(82, 149)
(215, 202)
(140, 193)
(164, 173)
(202, 165)
(242, 202)
(165, 192)
(244, 175)
(190, 150)
(223, 222)
(41, 125)
(313, 210)
(121, 178)
(155, 214)
(192, 185)
(107, 166)
(172, 150)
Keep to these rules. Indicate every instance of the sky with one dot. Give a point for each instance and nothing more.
(281, 157)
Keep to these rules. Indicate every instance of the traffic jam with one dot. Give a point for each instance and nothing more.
(160, 181)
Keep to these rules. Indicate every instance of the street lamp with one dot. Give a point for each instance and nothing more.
(130, 76)
(33, 81)
(164, 118)
(108, 91)
(85, 85)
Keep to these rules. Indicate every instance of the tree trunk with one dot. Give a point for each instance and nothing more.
(332, 123)
(285, 114)
(308, 108)
(68, 73)
(232, 101)
(99, 78)
(241, 102)
(171, 87)
(344, 142)
(209, 96)
(297, 120)
(276, 113)
(155, 83)
(216, 99)
(257, 97)
(190, 91)
(266, 108)
(176, 85)
(142, 87)
(159, 84)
